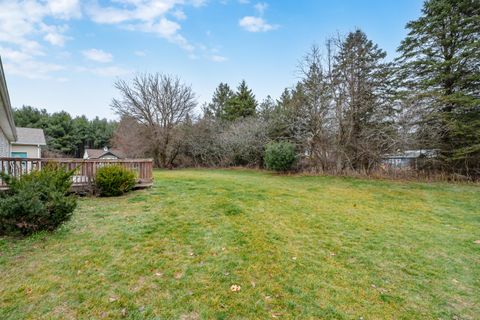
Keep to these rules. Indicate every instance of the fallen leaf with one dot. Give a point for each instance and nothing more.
(294, 258)
(477, 241)
(235, 288)
(178, 275)
(124, 312)
(113, 299)
(158, 274)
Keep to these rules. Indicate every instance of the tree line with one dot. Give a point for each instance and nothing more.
(66, 135)
(350, 108)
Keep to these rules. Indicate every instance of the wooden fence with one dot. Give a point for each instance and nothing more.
(85, 170)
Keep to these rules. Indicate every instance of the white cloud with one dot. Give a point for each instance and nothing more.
(141, 10)
(29, 27)
(108, 15)
(146, 16)
(256, 24)
(110, 71)
(25, 30)
(23, 64)
(261, 7)
(198, 3)
(20, 21)
(164, 28)
(97, 55)
(179, 14)
(218, 58)
(140, 53)
(54, 34)
(14, 55)
(65, 9)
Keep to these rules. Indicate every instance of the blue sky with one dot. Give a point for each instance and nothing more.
(66, 54)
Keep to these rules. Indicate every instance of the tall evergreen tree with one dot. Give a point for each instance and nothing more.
(83, 135)
(363, 112)
(61, 133)
(242, 104)
(285, 99)
(220, 99)
(30, 117)
(440, 68)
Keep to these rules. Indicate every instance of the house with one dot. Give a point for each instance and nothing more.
(28, 143)
(104, 153)
(8, 131)
(408, 159)
(16, 142)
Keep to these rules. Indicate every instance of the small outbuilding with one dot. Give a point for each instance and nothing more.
(104, 153)
(28, 144)
(408, 159)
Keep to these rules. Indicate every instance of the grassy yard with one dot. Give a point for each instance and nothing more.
(298, 247)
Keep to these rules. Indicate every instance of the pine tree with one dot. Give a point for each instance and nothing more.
(440, 68)
(363, 112)
(220, 99)
(242, 104)
(285, 99)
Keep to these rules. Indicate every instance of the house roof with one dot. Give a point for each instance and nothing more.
(7, 124)
(98, 153)
(28, 136)
(412, 154)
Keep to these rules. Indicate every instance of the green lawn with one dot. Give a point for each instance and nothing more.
(299, 247)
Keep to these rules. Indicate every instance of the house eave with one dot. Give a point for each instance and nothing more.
(27, 144)
(10, 130)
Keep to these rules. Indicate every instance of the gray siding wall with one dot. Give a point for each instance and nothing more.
(4, 145)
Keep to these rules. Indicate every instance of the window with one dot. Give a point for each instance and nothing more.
(19, 155)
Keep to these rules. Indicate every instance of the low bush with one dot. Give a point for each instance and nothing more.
(280, 156)
(37, 201)
(114, 181)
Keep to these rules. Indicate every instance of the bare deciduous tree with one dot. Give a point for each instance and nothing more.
(160, 103)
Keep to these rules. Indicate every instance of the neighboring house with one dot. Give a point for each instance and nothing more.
(104, 153)
(408, 158)
(16, 142)
(28, 143)
(8, 132)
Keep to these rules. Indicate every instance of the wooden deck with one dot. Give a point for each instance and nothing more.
(85, 170)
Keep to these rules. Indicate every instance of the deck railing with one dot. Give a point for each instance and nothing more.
(85, 170)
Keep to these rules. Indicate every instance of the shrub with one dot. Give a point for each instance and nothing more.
(37, 201)
(114, 181)
(280, 156)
